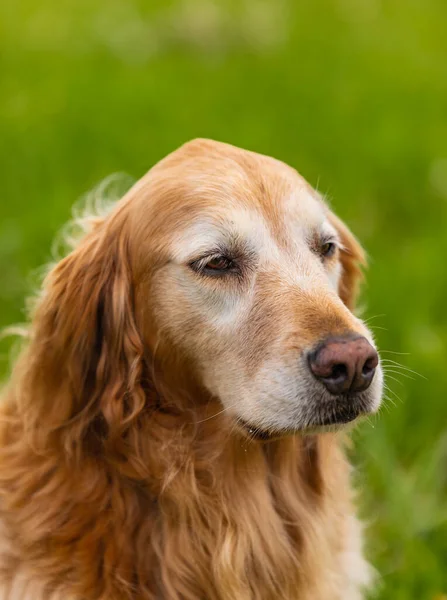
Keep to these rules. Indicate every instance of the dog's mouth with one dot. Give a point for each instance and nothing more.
(329, 416)
(256, 433)
(341, 413)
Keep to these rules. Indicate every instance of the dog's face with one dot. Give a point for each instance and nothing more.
(251, 275)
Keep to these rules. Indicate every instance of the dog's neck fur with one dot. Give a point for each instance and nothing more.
(246, 519)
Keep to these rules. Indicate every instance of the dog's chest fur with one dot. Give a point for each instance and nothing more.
(271, 524)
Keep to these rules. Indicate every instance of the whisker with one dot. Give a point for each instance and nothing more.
(402, 373)
(403, 367)
(394, 379)
(388, 367)
(369, 422)
(384, 405)
(373, 317)
(388, 389)
(215, 414)
(393, 369)
(398, 365)
(389, 399)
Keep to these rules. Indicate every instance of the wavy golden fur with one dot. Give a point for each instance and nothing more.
(122, 477)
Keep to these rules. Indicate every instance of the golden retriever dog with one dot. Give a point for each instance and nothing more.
(173, 428)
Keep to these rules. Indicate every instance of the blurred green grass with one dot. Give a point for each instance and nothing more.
(351, 92)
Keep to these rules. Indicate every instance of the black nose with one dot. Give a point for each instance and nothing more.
(344, 364)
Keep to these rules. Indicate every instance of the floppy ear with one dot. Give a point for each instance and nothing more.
(352, 257)
(81, 376)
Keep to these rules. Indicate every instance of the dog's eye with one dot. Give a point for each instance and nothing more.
(327, 249)
(219, 263)
(214, 265)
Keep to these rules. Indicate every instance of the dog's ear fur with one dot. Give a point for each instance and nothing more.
(84, 366)
(352, 258)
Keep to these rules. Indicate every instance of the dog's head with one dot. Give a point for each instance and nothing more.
(254, 278)
(230, 260)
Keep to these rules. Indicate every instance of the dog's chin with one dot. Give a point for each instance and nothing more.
(337, 416)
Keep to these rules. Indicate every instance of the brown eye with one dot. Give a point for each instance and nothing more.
(215, 266)
(219, 263)
(328, 249)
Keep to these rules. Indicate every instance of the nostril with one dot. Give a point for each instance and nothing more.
(368, 368)
(339, 372)
(370, 365)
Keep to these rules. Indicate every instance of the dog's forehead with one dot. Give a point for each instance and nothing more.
(221, 179)
(286, 220)
(207, 193)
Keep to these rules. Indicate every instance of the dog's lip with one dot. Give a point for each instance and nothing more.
(261, 435)
(339, 418)
(341, 410)
(346, 410)
(264, 435)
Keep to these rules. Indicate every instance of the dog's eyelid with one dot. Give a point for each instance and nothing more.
(330, 237)
(330, 240)
(236, 252)
(322, 238)
(207, 255)
(200, 262)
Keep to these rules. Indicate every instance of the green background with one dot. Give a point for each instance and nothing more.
(351, 92)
